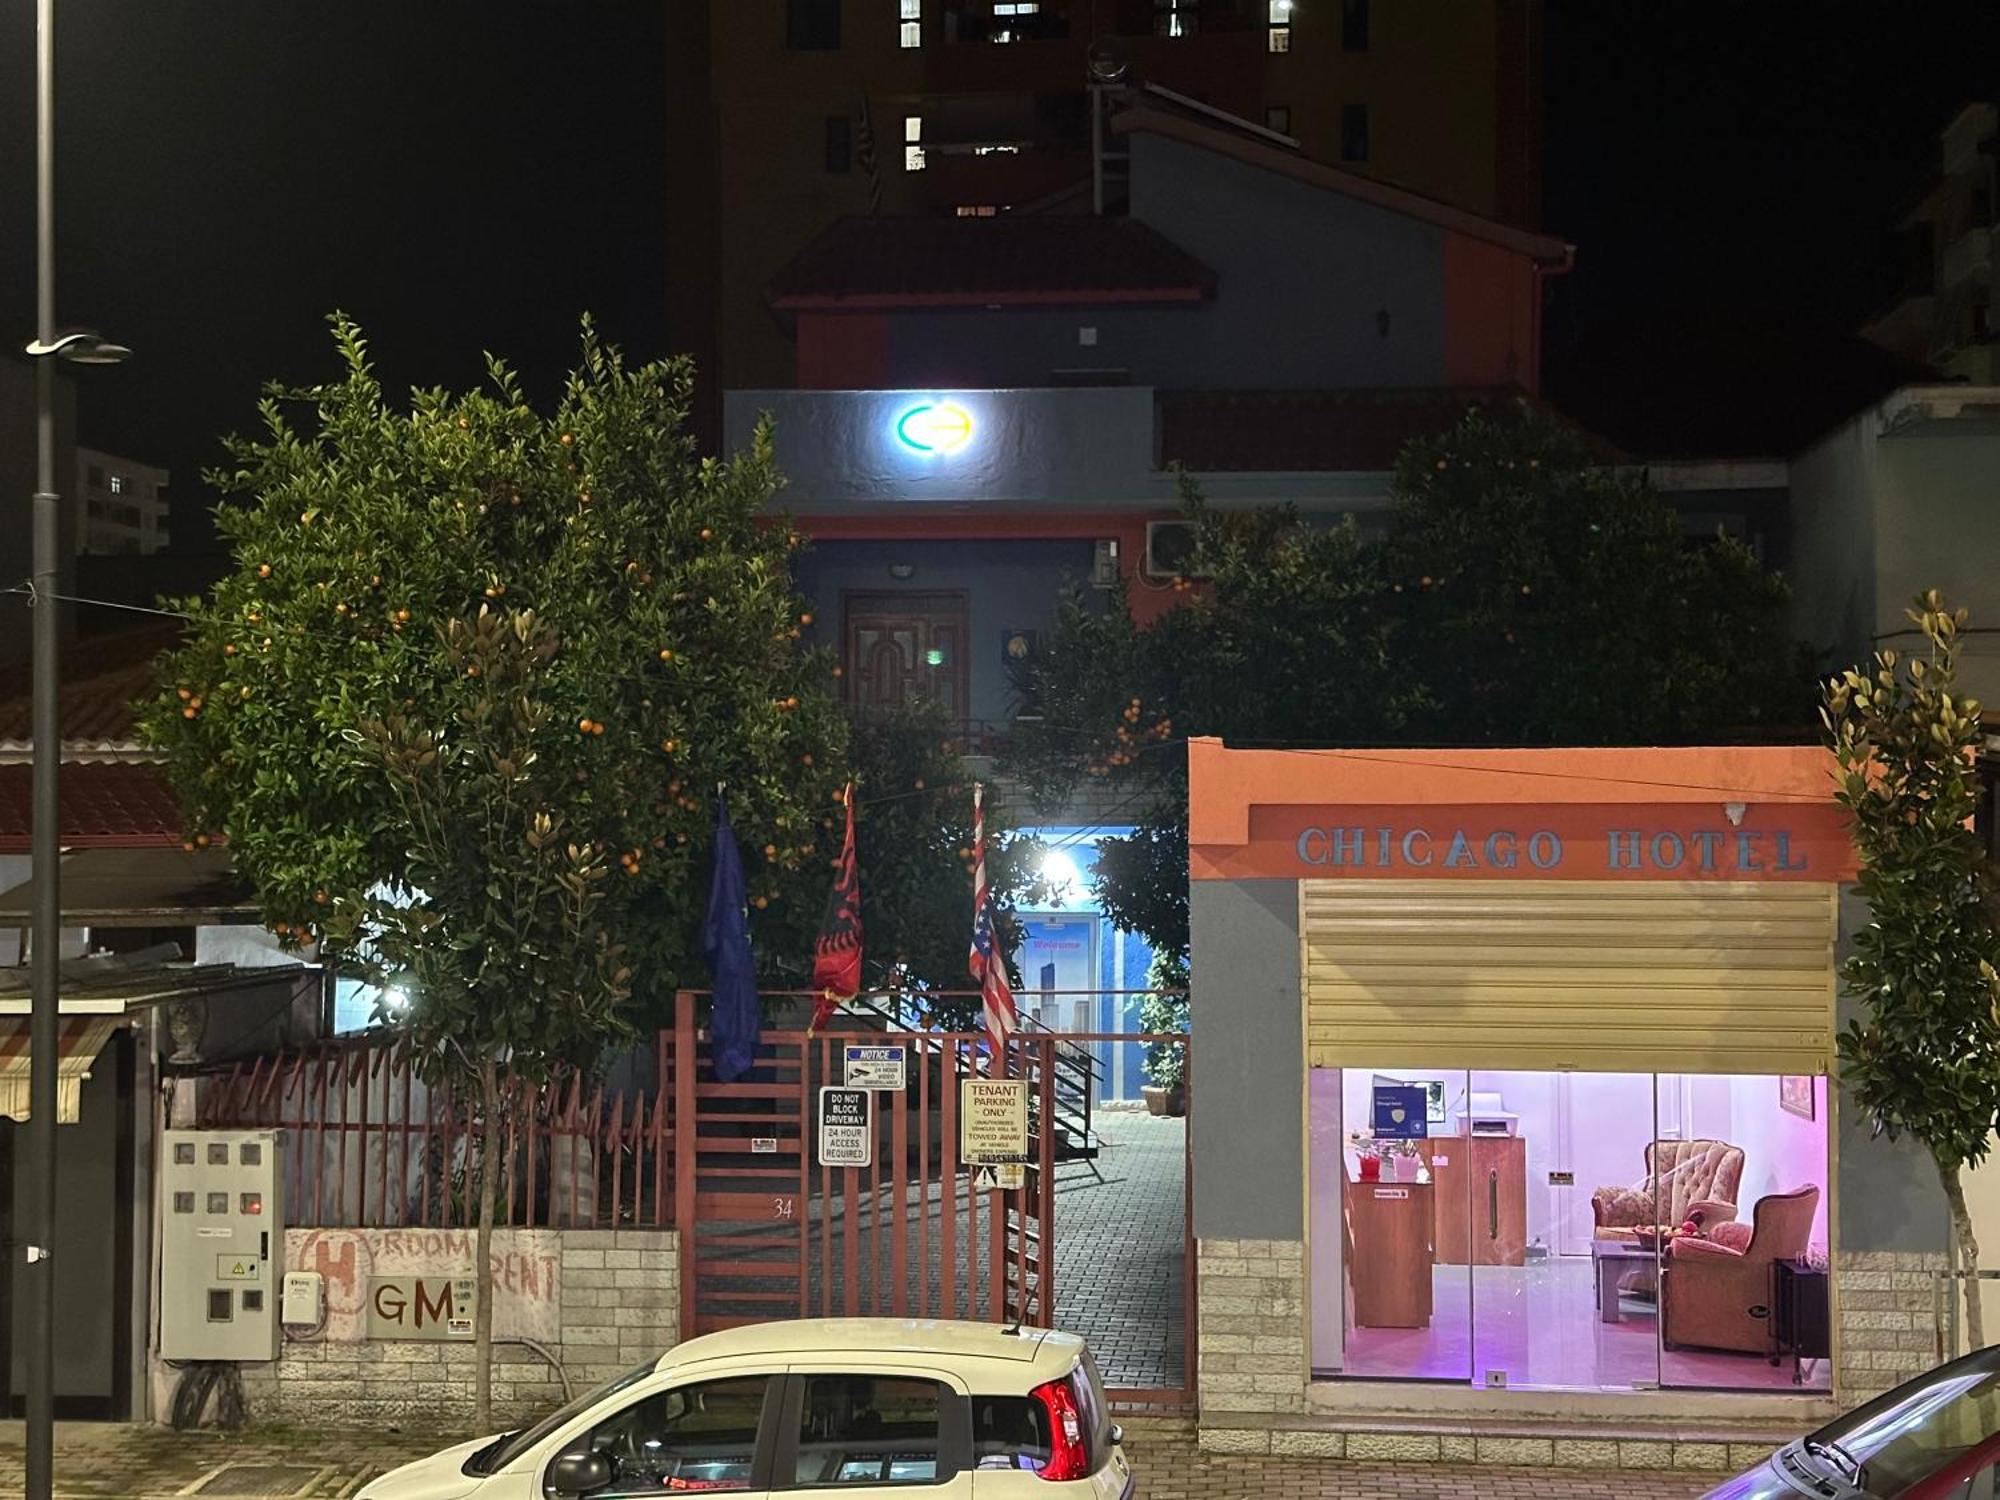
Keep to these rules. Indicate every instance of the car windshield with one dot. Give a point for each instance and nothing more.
(1896, 1443)
(496, 1456)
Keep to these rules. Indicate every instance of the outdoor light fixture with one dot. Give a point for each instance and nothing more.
(934, 427)
(79, 346)
(1060, 873)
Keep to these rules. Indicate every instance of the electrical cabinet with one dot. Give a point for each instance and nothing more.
(222, 1244)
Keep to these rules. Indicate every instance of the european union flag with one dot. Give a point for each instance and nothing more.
(736, 1024)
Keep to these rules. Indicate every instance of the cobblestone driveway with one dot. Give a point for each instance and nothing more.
(98, 1462)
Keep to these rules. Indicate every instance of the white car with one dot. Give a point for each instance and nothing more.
(862, 1407)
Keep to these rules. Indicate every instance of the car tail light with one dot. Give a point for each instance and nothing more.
(1069, 1452)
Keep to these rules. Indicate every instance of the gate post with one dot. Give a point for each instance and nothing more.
(684, 1175)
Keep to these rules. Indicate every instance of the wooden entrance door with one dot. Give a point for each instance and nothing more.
(902, 649)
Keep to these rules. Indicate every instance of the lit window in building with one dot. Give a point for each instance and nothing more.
(1280, 17)
(117, 484)
(913, 143)
(976, 210)
(1175, 17)
(1008, 16)
(1000, 149)
(912, 33)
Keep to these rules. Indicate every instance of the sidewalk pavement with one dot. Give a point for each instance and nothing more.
(99, 1461)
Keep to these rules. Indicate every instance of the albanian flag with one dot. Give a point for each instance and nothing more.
(837, 952)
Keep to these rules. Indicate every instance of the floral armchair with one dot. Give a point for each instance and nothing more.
(1691, 1176)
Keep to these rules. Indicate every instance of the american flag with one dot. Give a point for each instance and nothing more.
(987, 963)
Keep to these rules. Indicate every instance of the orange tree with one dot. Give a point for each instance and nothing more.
(463, 703)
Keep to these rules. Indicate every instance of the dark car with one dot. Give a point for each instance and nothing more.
(1935, 1438)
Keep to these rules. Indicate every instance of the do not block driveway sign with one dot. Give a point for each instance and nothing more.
(846, 1126)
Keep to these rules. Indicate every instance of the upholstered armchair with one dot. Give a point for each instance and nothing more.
(1718, 1290)
(1688, 1175)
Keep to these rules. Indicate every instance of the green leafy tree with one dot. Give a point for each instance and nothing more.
(462, 706)
(1923, 1058)
(1542, 598)
(913, 839)
(1522, 594)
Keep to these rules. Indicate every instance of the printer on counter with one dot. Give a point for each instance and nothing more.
(1484, 1116)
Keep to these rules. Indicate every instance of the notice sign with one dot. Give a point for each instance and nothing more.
(846, 1127)
(1005, 1177)
(421, 1307)
(238, 1268)
(875, 1068)
(993, 1120)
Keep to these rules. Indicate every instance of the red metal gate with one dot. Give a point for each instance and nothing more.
(767, 1232)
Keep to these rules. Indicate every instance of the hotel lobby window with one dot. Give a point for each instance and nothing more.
(1569, 1230)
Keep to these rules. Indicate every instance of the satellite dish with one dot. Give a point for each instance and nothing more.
(1108, 59)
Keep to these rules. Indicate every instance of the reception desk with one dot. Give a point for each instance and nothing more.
(1387, 1239)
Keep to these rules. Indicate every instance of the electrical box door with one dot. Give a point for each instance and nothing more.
(222, 1244)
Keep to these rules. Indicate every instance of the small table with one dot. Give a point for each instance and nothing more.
(1800, 1324)
(1611, 1259)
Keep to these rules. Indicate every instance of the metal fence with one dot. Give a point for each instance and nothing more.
(368, 1143)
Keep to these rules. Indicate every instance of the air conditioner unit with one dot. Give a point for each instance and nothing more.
(1170, 551)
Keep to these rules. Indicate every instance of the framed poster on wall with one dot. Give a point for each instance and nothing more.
(1795, 1095)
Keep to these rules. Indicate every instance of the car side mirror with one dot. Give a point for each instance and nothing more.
(579, 1473)
(1117, 1436)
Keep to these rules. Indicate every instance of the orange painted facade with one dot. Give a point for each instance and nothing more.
(1695, 813)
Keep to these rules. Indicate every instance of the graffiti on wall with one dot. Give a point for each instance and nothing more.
(527, 1266)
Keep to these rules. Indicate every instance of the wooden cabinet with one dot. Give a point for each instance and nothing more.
(1480, 1188)
(1388, 1249)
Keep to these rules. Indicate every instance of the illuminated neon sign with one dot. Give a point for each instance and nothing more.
(935, 427)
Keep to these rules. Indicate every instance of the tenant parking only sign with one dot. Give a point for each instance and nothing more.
(993, 1121)
(846, 1127)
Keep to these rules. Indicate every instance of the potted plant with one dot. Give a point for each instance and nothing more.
(1166, 1010)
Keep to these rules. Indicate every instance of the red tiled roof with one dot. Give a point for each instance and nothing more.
(102, 677)
(1029, 258)
(1311, 431)
(114, 805)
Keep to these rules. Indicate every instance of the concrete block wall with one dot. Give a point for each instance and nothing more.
(1888, 1306)
(1252, 1345)
(618, 1298)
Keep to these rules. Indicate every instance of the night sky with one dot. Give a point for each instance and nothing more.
(462, 176)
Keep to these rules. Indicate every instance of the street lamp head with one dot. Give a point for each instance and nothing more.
(80, 346)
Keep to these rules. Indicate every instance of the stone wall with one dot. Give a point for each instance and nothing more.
(598, 1300)
(1888, 1307)
(1252, 1347)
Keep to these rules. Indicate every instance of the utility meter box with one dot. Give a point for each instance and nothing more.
(222, 1244)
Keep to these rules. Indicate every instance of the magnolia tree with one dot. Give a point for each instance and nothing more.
(463, 704)
(1923, 1057)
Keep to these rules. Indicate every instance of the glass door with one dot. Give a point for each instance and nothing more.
(1564, 1262)
(1404, 1225)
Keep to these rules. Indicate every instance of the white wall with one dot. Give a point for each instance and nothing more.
(1781, 1151)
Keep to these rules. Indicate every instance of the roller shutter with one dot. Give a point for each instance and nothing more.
(1645, 976)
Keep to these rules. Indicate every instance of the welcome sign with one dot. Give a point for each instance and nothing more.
(1523, 842)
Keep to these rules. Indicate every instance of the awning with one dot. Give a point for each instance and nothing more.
(96, 996)
(79, 1040)
(139, 888)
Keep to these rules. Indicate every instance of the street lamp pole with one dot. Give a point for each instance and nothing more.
(39, 1285)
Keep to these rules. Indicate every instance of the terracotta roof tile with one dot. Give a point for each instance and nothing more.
(1326, 432)
(115, 805)
(102, 677)
(1028, 257)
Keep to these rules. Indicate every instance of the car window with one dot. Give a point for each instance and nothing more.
(497, 1456)
(1010, 1432)
(869, 1430)
(1897, 1442)
(693, 1437)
